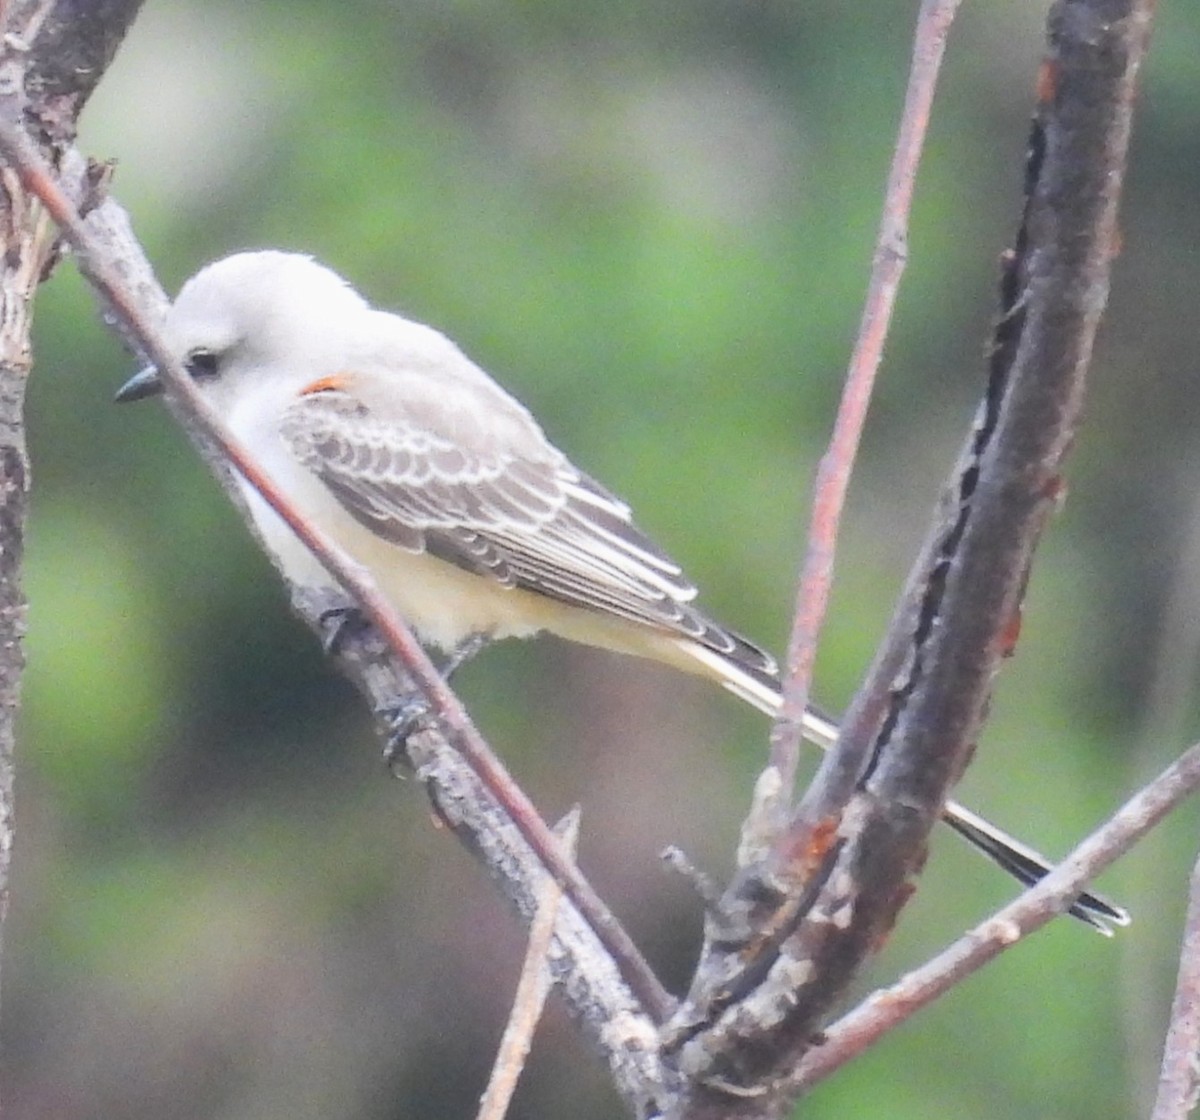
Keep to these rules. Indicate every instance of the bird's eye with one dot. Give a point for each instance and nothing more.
(202, 363)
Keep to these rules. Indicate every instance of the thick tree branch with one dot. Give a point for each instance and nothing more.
(23, 244)
(31, 34)
(70, 44)
(795, 928)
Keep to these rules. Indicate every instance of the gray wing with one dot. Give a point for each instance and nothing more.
(506, 508)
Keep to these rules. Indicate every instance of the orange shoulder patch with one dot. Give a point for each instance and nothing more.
(332, 383)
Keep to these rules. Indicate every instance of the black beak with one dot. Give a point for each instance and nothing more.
(144, 383)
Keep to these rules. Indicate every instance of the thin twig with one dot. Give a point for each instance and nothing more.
(1179, 1084)
(833, 476)
(587, 975)
(532, 988)
(1172, 671)
(452, 717)
(877, 1015)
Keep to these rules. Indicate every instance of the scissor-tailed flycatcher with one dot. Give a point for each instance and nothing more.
(446, 489)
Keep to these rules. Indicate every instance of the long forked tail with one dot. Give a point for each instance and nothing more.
(754, 680)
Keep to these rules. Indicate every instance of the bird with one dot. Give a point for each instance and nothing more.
(444, 486)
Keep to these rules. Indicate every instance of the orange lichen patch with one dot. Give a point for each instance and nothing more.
(1010, 634)
(1047, 81)
(332, 383)
(806, 850)
(1116, 243)
(819, 842)
(1055, 490)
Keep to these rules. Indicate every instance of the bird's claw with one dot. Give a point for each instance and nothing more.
(405, 717)
(410, 714)
(337, 624)
(461, 654)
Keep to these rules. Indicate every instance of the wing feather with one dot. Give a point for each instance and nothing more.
(519, 514)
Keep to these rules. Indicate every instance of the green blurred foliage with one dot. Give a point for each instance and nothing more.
(653, 223)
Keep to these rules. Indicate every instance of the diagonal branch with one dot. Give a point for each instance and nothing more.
(69, 44)
(884, 1010)
(479, 800)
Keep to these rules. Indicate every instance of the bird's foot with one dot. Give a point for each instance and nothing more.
(411, 714)
(461, 654)
(405, 717)
(339, 623)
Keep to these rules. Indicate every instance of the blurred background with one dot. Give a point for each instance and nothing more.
(653, 223)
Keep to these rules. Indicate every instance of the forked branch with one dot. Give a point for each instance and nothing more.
(795, 927)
